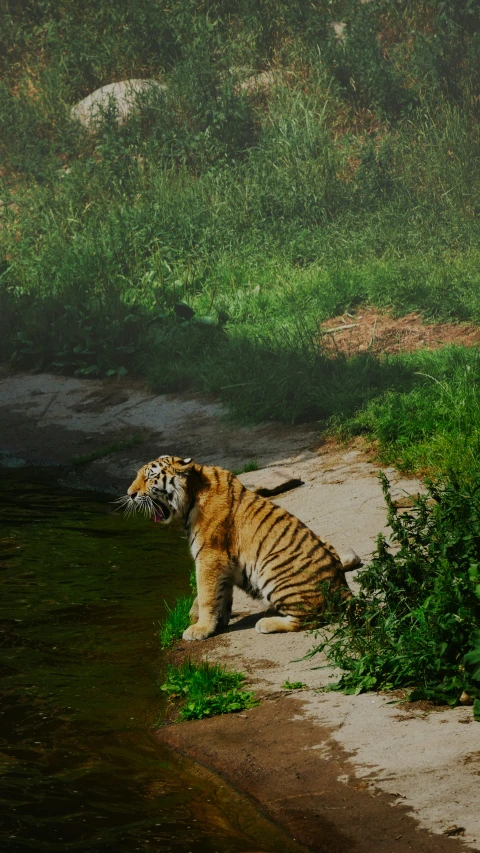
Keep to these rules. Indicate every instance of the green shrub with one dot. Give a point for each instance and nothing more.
(414, 623)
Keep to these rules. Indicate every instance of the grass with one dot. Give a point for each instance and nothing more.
(414, 623)
(354, 178)
(206, 690)
(433, 422)
(175, 621)
(113, 447)
(293, 685)
(248, 466)
(177, 618)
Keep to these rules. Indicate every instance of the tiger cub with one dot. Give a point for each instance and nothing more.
(238, 538)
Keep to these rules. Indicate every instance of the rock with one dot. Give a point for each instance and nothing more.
(183, 311)
(123, 94)
(270, 481)
(259, 82)
(339, 28)
(465, 699)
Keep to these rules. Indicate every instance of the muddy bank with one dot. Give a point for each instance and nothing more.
(298, 776)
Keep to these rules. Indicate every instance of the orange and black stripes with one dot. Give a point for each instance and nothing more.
(239, 538)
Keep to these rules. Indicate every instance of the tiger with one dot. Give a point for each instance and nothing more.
(239, 539)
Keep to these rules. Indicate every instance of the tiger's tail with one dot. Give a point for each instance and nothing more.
(350, 560)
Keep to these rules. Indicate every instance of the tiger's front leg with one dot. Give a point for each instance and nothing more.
(214, 599)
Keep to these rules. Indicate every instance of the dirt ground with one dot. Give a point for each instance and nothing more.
(380, 332)
(340, 772)
(303, 780)
(47, 419)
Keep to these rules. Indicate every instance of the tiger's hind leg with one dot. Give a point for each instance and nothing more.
(275, 624)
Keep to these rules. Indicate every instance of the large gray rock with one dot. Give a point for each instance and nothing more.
(123, 94)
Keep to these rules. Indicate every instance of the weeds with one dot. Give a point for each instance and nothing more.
(352, 175)
(175, 621)
(114, 447)
(252, 465)
(414, 622)
(177, 618)
(206, 689)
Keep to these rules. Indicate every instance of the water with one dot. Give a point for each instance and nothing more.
(82, 591)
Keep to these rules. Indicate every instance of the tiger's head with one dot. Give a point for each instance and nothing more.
(160, 489)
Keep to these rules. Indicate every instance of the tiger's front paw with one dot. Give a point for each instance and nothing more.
(198, 632)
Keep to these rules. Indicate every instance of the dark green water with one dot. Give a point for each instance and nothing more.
(82, 591)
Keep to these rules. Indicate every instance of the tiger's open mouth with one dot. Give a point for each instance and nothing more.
(161, 513)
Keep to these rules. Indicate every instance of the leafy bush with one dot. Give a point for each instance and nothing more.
(414, 623)
(206, 689)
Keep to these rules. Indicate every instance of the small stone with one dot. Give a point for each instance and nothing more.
(465, 699)
(454, 830)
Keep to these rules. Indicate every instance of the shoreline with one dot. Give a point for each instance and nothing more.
(392, 777)
(296, 774)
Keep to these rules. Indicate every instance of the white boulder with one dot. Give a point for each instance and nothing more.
(123, 94)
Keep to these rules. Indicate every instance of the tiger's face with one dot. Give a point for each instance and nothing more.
(159, 489)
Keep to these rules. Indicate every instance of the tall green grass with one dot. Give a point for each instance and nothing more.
(353, 176)
(433, 423)
(175, 621)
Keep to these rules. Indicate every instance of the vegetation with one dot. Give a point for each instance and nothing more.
(293, 685)
(206, 689)
(304, 158)
(175, 621)
(247, 467)
(177, 618)
(113, 447)
(414, 623)
(431, 420)
(348, 172)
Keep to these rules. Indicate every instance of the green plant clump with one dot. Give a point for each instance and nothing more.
(414, 623)
(252, 465)
(175, 622)
(206, 689)
(113, 447)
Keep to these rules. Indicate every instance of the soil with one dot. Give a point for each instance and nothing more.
(53, 420)
(303, 781)
(369, 329)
